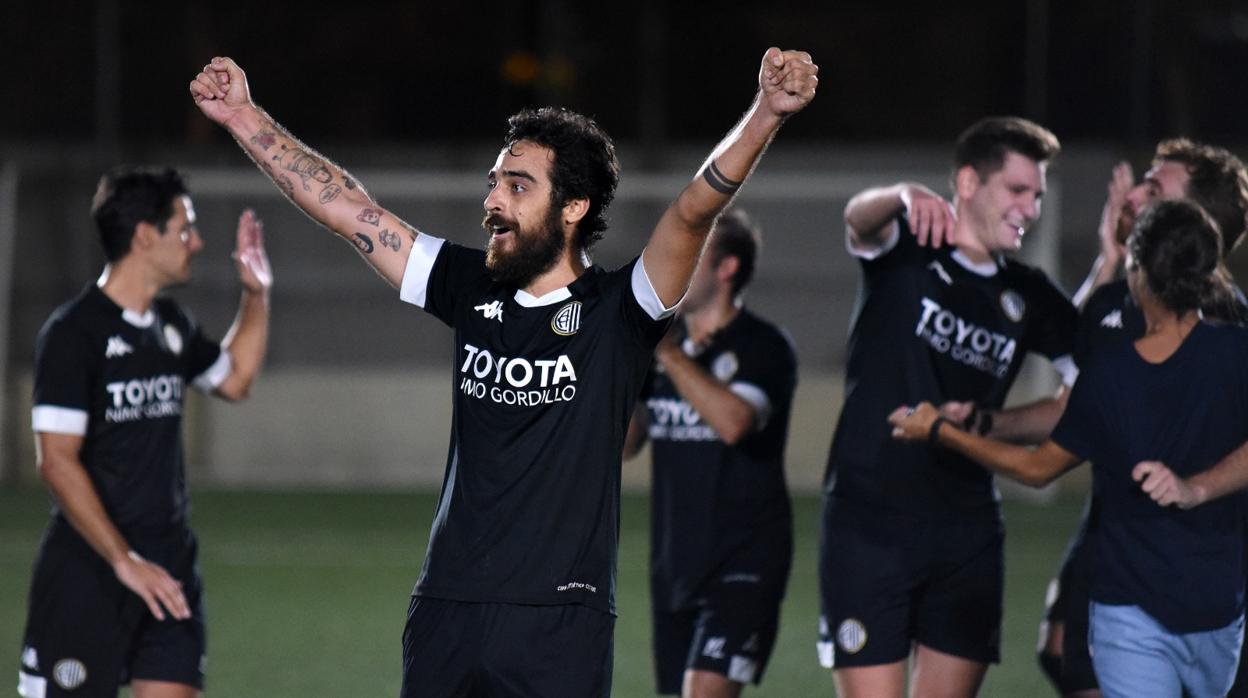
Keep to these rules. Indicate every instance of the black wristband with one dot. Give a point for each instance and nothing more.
(933, 434)
(985, 424)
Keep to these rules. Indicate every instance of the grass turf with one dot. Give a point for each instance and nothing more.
(307, 592)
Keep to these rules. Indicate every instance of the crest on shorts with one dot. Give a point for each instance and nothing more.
(567, 320)
(851, 636)
(173, 339)
(1013, 305)
(69, 674)
(725, 366)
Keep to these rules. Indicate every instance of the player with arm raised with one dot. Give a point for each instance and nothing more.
(116, 596)
(517, 590)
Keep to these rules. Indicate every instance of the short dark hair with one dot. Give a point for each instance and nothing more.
(128, 195)
(736, 235)
(585, 165)
(985, 144)
(1219, 183)
(1178, 246)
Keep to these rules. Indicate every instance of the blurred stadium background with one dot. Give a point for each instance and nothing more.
(313, 526)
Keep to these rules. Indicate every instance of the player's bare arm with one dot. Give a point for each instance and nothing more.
(787, 81)
(1226, 476)
(67, 479)
(1028, 424)
(638, 431)
(1113, 251)
(324, 191)
(1032, 467)
(869, 216)
(731, 417)
(248, 338)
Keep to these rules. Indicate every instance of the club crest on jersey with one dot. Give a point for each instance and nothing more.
(173, 339)
(69, 674)
(568, 320)
(117, 347)
(851, 636)
(1013, 305)
(491, 311)
(725, 366)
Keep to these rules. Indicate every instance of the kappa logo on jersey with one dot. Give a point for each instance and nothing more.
(568, 320)
(150, 398)
(491, 311)
(117, 347)
(674, 419)
(714, 647)
(725, 366)
(940, 271)
(69, 674)
(1013, 305)
(851, 636)
(1113, 320)
(965, 342)
(517, 381)
(173, 340)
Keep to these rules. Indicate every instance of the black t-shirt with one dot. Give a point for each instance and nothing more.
(119, 380)
(711, 499)
(929, 326)
(543, 391)
(1185, 568)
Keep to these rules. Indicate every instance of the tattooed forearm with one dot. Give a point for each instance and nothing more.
(287, 186)
(305, 165)
(265, 139)
(329, 193)
(370, 216)
(389, 239)
(363, 242)
(348, 182)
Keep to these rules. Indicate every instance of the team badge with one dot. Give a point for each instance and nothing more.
(69, 674)
(725, 366)
(173, 339)
(568, 320)
(1012, 305)
(851, 636)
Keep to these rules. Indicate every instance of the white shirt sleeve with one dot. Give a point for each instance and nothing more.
(419, 267)
(646, 296)
(53, 419)
(891, 237)
(215, 375)
(757, 399)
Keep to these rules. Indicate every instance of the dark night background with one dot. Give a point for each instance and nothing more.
(416, 72)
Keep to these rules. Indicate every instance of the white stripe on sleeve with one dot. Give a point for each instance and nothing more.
(758, 400)
(419, 267)
(54, 419)
(646, 296)
(1065, 366)
(215, 375)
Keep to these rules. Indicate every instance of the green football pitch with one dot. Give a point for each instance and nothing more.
(307, 592)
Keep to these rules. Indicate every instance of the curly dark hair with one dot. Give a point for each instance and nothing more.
(985, 144)
(1179, 248)
(1219, 183)
(128, 195)
(585, 165)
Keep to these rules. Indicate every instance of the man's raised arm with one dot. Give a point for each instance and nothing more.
(786, 83)
(322, 189)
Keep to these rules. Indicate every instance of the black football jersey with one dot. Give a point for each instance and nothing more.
(543, 390)
(119, 379)
(930, 325)
(710, 498)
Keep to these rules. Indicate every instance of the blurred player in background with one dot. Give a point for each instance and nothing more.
(116, 596)
(716, 411)
(911, 558)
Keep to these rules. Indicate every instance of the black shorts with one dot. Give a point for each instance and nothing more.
(886, 583)
(730, 630)
(457, 649)
(1067, 603)
(86, 634)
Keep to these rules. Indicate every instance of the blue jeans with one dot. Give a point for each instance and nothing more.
(1134, 656)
